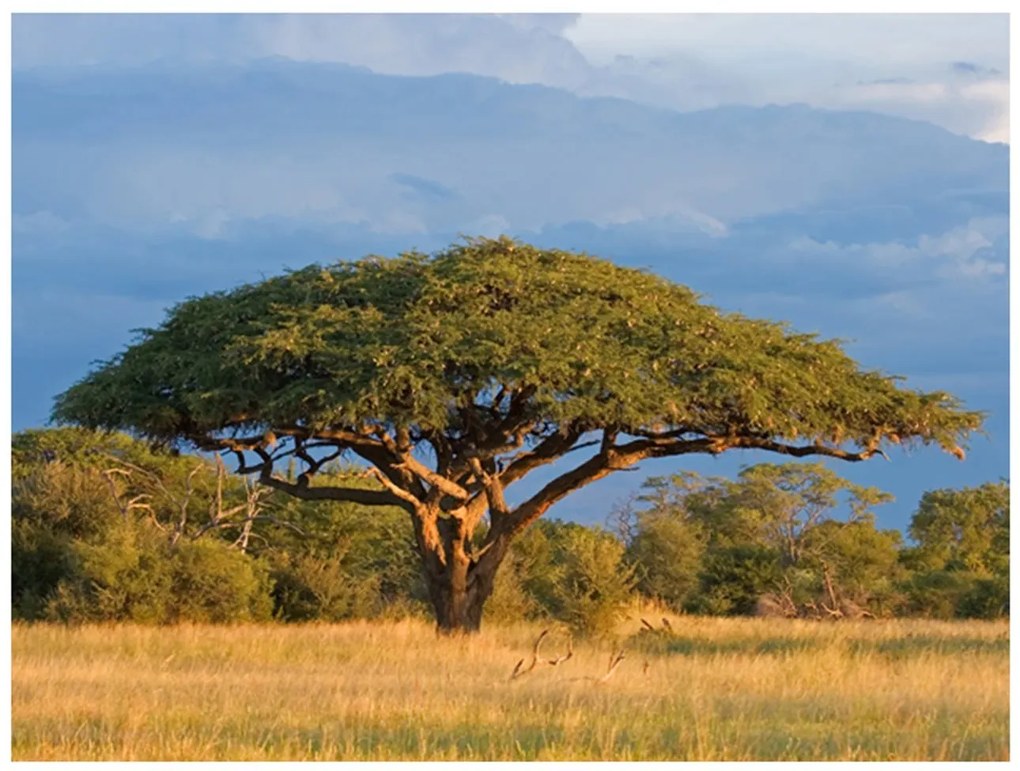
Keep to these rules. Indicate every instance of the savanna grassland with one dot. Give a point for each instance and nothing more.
(711, 689)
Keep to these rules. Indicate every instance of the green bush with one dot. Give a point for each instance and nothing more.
(595, 585)
(987, 598)
(40, 557)
(667, 552)
(344, 563)
(510, 600)
(134, 574)
(733, 578)
(937, 593)
(212, 582)
(322, 587)
(125, 577)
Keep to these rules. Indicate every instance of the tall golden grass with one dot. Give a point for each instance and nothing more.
(712, 689)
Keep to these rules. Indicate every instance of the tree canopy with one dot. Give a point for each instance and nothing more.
(767, 541)
(454, 375)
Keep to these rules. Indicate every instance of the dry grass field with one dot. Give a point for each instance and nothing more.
(713, 689)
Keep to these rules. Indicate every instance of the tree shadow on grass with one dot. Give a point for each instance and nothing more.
(666, 644)
(916, 645)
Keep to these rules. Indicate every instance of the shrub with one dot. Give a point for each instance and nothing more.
(667, 552)
(510, 600)
(595, 585)
(733, 578)
(134, 574)
(211, 582)
(125, 577)
(314, 586)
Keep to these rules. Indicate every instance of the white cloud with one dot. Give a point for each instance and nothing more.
(489, 225)
(947, 69)
(517, 49)
(904, 39)
(961, 253)
(978, 108)
(943, 68)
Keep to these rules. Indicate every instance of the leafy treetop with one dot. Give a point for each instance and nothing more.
(490, 342)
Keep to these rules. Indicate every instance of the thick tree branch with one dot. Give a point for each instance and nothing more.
(807, 450)
(347, 494)
(420, 470)
(591, 470)
(547, 451)
(407, 499)
(615, 458)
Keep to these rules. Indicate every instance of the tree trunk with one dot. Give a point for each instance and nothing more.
(458, 593)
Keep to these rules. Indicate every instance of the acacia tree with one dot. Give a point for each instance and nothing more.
(453, 376)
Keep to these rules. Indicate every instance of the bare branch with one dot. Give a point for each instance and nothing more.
(397, 491)
(614, 662)
(546, 452)
(447, 486)
(520, 671)
(241, 522)
(108, 476)
(348, 494)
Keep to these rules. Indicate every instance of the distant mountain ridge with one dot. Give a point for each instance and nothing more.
(519, 152)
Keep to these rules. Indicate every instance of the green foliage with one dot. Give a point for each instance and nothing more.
(80, 551)
(135, 575)
(862, 563)
(534, 558)
(667, 550)
(734, 577)
(123, 577)
(482, 350)
(56, 501)
(961, 561)
(564, 571)
(397, 341)
(338, 560)
(966, 529)
(937, 593)
(706, 545)
(510, 600)
(214, 583)
(987, 598)
(768, 534)
(322, 587)
(593, 583)
(40, 557)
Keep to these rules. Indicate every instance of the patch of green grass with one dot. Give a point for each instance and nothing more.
(912, 646)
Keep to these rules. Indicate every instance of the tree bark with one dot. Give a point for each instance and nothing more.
(458, 596)
(459, 585)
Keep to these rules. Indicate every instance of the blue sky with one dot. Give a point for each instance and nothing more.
(842, 173)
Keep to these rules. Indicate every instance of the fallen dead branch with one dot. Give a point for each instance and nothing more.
(614, 662)
(520, 670)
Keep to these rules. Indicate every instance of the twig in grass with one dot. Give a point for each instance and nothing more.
(519, 671)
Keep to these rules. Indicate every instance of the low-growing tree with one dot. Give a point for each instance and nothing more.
(713, 545)
(455, 376)
(960, 562)
(855, 565)
(666, 548)
(134, 574)
(105, 529)
(963, 529)
(594, 583)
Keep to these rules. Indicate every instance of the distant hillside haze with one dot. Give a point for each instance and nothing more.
(341, 144)
(136, 187)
